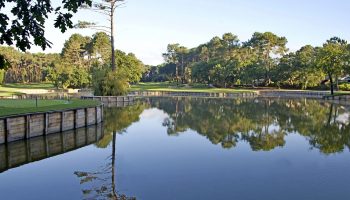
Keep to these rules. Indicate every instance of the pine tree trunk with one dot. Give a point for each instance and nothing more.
(183, 70)
(332, 84)
(177, 74)
(114, 67)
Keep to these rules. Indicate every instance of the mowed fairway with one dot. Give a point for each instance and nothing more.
(13, 107)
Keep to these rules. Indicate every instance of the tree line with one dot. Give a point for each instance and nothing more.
(263, 60)
(79, 64)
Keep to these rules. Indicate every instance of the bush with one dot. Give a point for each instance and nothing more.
(109, 83)
(344, 87)
(80, 78)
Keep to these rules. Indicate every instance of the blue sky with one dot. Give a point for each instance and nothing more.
(145, 27)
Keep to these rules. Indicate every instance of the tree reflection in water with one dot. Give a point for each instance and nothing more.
(262, 123)
(102, 184)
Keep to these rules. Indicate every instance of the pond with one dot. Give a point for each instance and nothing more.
(190, 148)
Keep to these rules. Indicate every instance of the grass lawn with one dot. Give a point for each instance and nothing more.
(29, 85)
(7, 93)
(12, 107)
(20, 88)
(171, 87)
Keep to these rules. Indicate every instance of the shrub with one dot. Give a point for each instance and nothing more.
(115, 84)
(344, 87)
(80, 78)
(109, 83)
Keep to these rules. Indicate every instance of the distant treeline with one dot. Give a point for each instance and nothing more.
(263, 60)
(73, 67)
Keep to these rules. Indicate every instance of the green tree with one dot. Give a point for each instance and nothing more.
(204, 54)
(60, 75)
(100, 47)
(230, 40)
(107, 8)
(132, 67)
(171, 57)
(333, 59)
(215, 46)
(267, 45)
(182, 52)
(74, 50)
(80, 78)
(305, 70)
(26, 67)
(299, 69)
(72, 68)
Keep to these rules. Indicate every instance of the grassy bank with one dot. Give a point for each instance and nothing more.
(171, 87)
(13, 107)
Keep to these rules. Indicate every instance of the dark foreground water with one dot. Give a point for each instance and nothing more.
(183, 148)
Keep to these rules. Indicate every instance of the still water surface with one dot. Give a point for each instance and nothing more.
(189, 148)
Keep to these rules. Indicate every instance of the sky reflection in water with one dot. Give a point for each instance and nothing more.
(183, 148)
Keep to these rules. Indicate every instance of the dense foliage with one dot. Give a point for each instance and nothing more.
(75, 66)
(263, 60)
